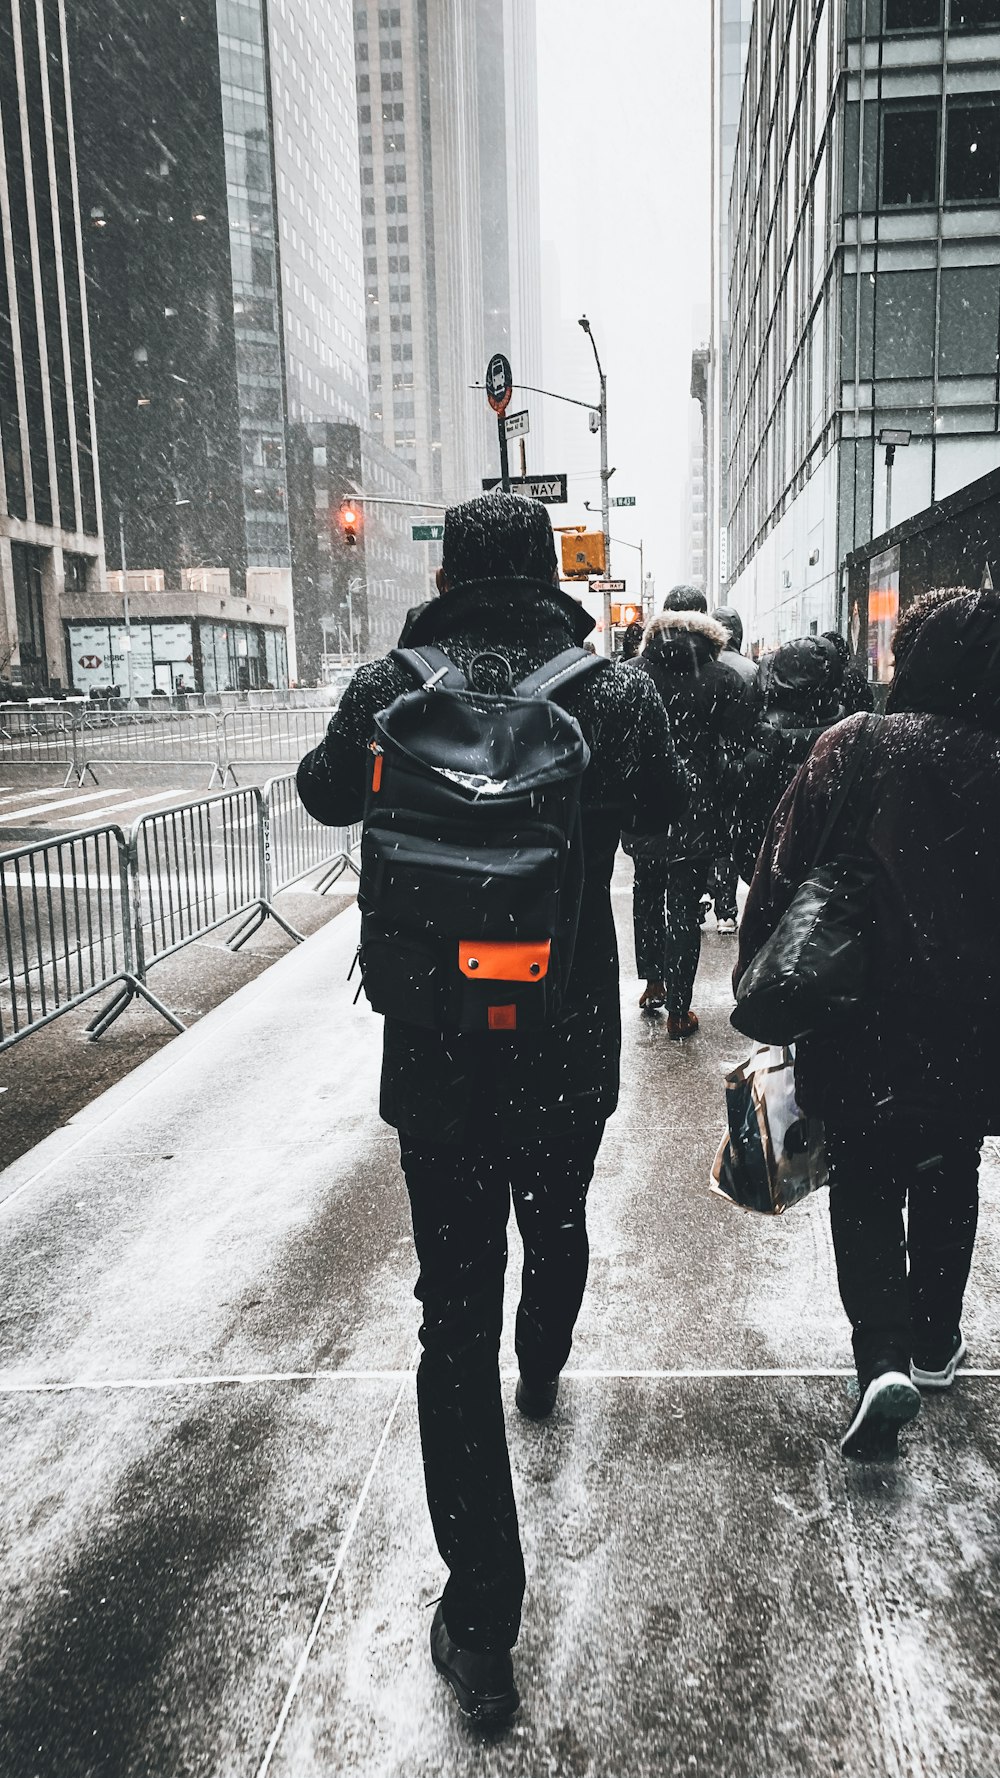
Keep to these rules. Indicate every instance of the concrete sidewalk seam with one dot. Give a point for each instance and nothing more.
(251, 1378)
(317, 1623)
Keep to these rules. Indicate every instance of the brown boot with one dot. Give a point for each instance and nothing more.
(653, 997)
(682, 1024)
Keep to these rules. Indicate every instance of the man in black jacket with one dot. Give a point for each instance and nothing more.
(482, 1117)
(723, 875)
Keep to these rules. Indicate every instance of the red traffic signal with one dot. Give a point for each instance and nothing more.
(349, 524)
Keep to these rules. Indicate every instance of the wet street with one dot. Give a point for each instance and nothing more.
(215, 1556)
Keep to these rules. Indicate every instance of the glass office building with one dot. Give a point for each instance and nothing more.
(49, 527)
(864, 287)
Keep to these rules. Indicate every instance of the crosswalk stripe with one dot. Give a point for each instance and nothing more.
(10, 795)
(69, 802)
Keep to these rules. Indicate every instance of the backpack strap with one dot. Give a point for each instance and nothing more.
(556, 676)
(427, 664)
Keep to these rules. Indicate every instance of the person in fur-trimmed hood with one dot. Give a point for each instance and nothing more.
(711, 718)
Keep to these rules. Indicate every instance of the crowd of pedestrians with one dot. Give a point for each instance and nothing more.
(501, 1054)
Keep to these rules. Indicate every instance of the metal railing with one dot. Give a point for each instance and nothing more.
(67, 932)
(296, 846)
(94, 912)
(197, 730)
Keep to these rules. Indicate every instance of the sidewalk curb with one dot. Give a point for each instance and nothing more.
(30, 1167)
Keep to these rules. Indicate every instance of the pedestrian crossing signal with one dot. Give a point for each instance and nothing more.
(349, 524)
(623, 615)
(582, 555)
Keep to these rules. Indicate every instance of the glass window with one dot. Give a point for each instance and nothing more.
(973, 166)
(909, 155)
(912, 15)
(904, 324)
(971, 15)
(970, 314)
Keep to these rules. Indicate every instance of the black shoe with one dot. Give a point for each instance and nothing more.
(482, 1683)
(887, 1403)
(936, 1369)
(536, 1400)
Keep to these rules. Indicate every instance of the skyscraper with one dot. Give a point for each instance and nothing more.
(50, 538)
(865, 287)
(447, 111)
(730, 38)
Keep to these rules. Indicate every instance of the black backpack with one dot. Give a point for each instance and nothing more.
(471, 857)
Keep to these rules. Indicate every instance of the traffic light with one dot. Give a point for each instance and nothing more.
(583, 555)
(623, 615)
(349, 524)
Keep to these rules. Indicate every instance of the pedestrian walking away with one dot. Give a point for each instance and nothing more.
(856, 691)
(797, 698)
(723, 875)
(910, 1084)
(710, 711)
(487, 1115)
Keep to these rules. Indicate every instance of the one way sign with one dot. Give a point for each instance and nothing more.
(550, 489)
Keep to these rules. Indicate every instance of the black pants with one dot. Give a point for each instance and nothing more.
(722, 879)
(935, 1172)
(665, 909)
(460, 1202)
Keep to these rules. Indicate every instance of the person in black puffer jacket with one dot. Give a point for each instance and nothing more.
(798, 696)
(483, 1117)
(856, 691)
(711, 715)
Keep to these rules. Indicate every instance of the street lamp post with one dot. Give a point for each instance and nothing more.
(606, 475)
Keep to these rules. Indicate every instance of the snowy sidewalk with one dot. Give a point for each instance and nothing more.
(215, 1556)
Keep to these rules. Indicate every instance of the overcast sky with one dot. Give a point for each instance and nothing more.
(624, 100)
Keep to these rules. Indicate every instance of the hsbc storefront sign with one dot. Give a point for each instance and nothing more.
(162, 653)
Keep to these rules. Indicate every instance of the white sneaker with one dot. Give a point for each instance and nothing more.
(889, 1401)
(725, 926)
(942, 1379)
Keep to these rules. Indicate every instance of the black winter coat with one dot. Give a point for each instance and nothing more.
(928, 1041)
(711, 715)
(798, 699)
(459, 1088)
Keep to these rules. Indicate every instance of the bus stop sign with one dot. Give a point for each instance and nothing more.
(499, 383)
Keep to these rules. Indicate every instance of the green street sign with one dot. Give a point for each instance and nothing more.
(427, 533)
(623, 500)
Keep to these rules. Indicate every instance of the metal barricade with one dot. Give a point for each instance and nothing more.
(196, 867)
(296, 846)
(67, 934)
(147, 738)
(36, 737)
(270, 735)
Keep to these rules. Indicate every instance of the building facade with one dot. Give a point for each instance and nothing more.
(50, 532)
(864, 289)
(447, 118)
(730, 40)
(356, 581)
(178, 199)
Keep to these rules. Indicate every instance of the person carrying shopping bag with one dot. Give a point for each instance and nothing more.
(909, 1084)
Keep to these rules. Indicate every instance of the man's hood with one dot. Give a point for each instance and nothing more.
(952, 667)
(684, 640)
(730, 619)
(537, 603)
(799, 672)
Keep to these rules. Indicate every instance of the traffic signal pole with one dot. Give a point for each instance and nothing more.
(504, 459)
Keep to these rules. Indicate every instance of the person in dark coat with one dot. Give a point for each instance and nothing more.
(483, 1116)
(856, 692)
(797, 698)
(710, 712)
(685, 598)
(723, 875)
(911, 1084)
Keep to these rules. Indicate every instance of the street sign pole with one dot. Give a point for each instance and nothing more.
(499, 388)
(504, 460)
